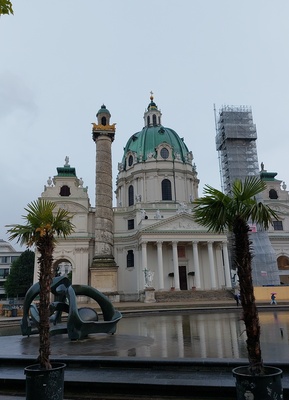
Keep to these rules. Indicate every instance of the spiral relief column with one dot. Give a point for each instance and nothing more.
(103, 269)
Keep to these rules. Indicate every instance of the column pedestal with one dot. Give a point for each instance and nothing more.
(103, 277)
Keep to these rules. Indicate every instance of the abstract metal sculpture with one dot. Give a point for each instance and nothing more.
(80, 321)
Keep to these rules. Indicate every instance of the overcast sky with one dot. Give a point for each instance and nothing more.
(60, 60)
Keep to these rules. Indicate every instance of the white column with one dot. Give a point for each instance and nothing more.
(228, 280)
(176, 265)
(120, 197)
(144, 257)
(160, 265)
(212, 265)
(196, 265)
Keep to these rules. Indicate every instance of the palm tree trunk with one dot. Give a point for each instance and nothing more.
(45, 278)
(243, 263)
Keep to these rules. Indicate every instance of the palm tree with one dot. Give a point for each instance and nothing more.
(6, 7)
(43, 226)
(220, 212)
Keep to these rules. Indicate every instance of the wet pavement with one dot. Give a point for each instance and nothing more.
(90, 376)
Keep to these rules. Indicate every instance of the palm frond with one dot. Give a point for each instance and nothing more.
(41, 219)
(248, 189)
(218, 211)
(211, 210)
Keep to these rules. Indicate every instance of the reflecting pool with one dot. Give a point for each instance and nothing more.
(207, 335)
(176, 335)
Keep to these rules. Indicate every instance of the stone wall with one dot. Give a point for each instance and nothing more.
(191, 295)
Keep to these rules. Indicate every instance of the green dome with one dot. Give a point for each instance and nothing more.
(146, 141)
(103, 110)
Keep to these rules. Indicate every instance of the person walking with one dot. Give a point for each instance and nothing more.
(237, 298)
(273, 298)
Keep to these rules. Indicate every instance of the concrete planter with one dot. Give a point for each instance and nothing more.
(258, 387)
(45, 384)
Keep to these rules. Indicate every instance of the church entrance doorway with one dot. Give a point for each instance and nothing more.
(183, 277)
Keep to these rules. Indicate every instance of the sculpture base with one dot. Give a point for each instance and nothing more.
(149, 295)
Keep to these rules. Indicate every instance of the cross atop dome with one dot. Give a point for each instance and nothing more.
(152, 105)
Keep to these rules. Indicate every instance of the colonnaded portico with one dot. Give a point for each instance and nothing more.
(185, 256)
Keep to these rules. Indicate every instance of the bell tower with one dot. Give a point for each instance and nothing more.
(103, 271)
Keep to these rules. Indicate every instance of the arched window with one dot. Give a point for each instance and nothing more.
(64, 191)
(148, 120)
(63, 268)
(130, 160)
(166, 190)
(273, 194)
(130, 195)
(130, 259)
(103, 121)
(165, 153)
(154, 119)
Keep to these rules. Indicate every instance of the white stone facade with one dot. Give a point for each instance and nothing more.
(153, 227)
(277, 197)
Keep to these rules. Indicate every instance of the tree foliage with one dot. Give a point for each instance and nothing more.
(6, 7)
(220, 212)
(21, 275)
(44, 226)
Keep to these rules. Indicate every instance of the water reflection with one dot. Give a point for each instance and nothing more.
(207, 335)
(186, 335)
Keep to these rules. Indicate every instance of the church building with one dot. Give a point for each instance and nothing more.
(149, 240)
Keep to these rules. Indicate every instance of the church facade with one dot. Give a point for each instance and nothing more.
(149, 239)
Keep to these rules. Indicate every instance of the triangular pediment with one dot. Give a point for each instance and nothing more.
(181, 223)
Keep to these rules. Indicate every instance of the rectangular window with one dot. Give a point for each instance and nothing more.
(5, 260)
(278, 225)
(130, 259)
(130, 224)
(4, 272)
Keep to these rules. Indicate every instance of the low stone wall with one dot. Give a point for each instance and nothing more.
(191, 295)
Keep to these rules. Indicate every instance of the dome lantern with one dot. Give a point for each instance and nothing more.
(152, 116)
(103, 116)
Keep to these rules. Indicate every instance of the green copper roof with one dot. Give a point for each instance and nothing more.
(66, 171)
(152, 105)
(146, 141)
(102, 110)
(268, 176)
